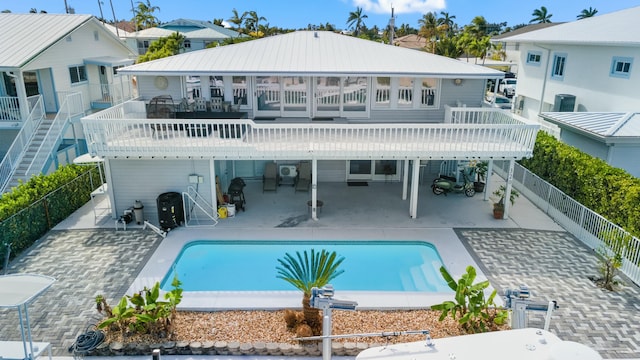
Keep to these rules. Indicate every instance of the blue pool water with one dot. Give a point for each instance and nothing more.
(251, 265)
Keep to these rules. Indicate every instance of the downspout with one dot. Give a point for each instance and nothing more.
(544, 78)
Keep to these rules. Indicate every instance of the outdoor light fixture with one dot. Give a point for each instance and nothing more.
(457, 82)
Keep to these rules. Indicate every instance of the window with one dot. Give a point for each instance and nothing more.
(428, 93)
(187, 44)
(621, 67)
(405, 92)
(533, 58)
(115, 69)
(78, 74)
(559, 62)
(382, 95)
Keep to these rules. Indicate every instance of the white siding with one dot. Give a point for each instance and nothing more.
(148, 89)
(626, 157)
(144, 180)
(590, 146)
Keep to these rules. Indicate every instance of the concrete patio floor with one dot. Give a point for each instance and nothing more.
(529, 248)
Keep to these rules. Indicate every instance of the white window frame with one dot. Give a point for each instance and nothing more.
(77, 71)
(558, 74)
(537, 58)
(624, 61)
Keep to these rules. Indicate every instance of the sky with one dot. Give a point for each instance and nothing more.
(296, 14)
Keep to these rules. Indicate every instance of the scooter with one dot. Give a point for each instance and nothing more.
(447, 184)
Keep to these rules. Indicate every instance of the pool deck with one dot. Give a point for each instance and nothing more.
(529, 248)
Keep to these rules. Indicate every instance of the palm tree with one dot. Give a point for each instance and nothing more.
(251, 22)
(429, 28)
(356, 20)
(587, 13)
(218, 22)
(237, 20)
(478, 27)
(446, 22)
(540, 16)
(144, 17)
(305, 273)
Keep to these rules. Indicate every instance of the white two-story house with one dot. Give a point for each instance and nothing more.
(352, 109)
(587, 66)
(54, 68)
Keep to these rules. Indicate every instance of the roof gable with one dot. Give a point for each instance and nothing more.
(25, 36)
(620, 28)
(313, 53)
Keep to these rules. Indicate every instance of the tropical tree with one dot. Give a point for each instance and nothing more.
(143, 15)
(306, 272)
(540, 16)
(499, 53)
(478, 27)
(449, 47)
(35, 11)
(446, 23)
(356, 20)
(237, 20)
(251, 23)
(218, 22)
(479, 47)
(163, 47)
(587, 13)
(429, 29)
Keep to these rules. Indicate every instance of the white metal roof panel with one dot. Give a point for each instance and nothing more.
(620, 28)
(602, 124)
(19, 289)
(312, 53)
(24, 36)
(151, 33)
(205, 33)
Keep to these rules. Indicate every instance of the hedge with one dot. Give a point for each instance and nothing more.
(607, 190)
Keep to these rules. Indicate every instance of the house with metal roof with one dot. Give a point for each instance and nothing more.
(335, 107)
(198, 34)
(53, 67)
(587, 67)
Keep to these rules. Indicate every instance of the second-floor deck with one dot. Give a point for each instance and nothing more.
(466, 133)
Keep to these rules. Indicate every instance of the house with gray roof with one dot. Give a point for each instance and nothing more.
(198, 34)
(53, 67)
(585, 66)
(340, 108)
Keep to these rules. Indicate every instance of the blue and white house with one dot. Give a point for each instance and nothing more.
(351, 108)
(587, 66)
(54, 69)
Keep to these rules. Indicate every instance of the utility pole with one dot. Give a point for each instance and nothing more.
(392, 27)
(101, 14)
(66, 8)
(115, 20)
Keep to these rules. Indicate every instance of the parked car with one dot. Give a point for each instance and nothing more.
(501, 102)
(507, 87)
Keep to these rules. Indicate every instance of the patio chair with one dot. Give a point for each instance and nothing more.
(303, 179)
(270, 177)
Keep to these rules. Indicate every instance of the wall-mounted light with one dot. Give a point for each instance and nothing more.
(457, 82)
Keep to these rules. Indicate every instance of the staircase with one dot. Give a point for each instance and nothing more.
(20, 173)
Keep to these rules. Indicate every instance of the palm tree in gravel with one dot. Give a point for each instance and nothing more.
(306, 272)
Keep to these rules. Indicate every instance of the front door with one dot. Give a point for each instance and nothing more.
(327, 96)
(104, 83)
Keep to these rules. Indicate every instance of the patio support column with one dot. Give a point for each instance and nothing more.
(487, 186)
(415, 177)
(108, 180)
(214, 195)
(507, 192)
(405, 179)
(21, 92)
(314, 188)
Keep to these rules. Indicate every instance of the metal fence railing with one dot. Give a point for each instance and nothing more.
(589, 227)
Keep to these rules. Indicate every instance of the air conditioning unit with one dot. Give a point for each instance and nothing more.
(287, 171)
(564, 103)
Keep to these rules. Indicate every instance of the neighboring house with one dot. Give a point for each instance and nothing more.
(53, 67)
(512, 49)
(586, 66)
(610, 136)
(198, 34)
(411, 41)
(355, 110)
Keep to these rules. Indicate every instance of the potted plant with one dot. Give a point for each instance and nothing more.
(481, 174)
(498, 206)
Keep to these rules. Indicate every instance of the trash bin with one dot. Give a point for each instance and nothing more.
(138, 212)
(231, 210)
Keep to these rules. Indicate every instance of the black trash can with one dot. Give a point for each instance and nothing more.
(170, 210)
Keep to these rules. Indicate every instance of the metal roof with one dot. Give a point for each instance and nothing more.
(202, 24)
(598, 124)
(620, 28)
(151, 33)
(25, 36)
(312, 53)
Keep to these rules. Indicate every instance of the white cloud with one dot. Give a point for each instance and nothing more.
(400, 6)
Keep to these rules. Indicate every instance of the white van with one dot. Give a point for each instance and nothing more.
(507, 87)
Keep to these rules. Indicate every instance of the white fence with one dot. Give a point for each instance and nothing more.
(586, 225)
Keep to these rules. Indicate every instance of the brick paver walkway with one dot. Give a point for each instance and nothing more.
(553, 264)
(85, 263)
(556, 266)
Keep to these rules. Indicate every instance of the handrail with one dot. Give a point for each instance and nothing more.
(190, 197)
(20, 144)
(72, 106)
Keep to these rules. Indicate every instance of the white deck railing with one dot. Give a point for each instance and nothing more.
(17, 149)
(72, 106)
(116, 132)
(586, 225)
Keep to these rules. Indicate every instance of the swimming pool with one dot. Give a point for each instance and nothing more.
(381, 266)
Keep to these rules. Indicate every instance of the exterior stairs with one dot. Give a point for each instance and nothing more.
(20, 172)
